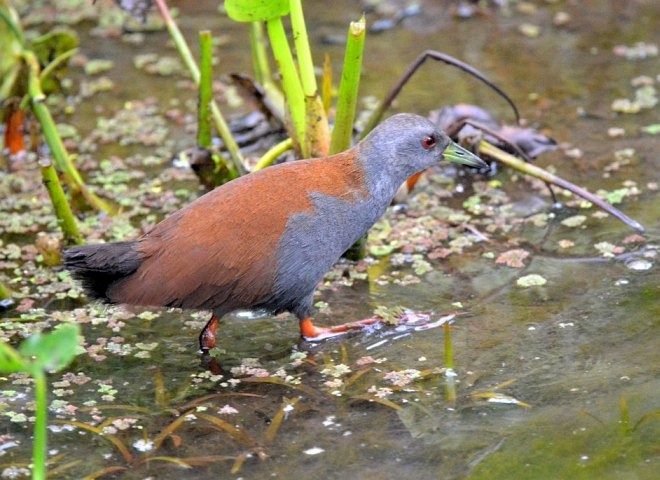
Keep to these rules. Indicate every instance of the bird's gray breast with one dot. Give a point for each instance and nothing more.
(315, 239)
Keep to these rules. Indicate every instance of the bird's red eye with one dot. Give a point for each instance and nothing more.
(428, 142)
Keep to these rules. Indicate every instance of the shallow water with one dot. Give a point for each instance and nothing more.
(554, 381)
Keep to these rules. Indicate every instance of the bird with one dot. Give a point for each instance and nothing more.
(264, 240)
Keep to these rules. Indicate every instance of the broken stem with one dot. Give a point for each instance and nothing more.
(63, 213)
(348, 87)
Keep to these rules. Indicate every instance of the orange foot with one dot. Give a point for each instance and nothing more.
(311, 332)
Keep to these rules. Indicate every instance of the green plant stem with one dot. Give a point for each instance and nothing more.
(450, 387)
(276, 100)
(326, 84)
(222, 171)
(65, 218)
(274, 152)
(191, 65)
(625, 418)
(449, 356)
(36, 355)
(46, 121)
(509, 160)
(53, 139)
(40, 423)
(205, 90)
(317, 131)
(179, 40)
(60, 155)
(290, 81)
(303, 52)
(52, 66)
(348, 87)
(450, 374)
(62, 158)
(259, 57)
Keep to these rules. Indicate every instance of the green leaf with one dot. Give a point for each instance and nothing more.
(532, 280)
(382, 250)
(54, 44)
(256, 10)
(11, 39)
(51, 351)
(10, 360)
(617, 196)
(574, 221)
(653, 129)
(55, 47)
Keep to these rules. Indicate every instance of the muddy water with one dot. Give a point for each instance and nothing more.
(554, 381)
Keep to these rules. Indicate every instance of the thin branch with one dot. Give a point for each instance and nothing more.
(509, 160)
(419, 61)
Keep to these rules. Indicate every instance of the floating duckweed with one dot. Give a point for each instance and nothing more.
(532, 280)
(574, 221)
(639, 264)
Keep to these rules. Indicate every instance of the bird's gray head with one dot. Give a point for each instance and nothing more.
(405, 144)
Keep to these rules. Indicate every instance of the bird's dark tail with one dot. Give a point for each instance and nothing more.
(97, 267)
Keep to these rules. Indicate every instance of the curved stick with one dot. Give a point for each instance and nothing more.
(455, 128)
(412, 68)
(501, 156)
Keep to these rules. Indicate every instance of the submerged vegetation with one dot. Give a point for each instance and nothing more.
(527, 314)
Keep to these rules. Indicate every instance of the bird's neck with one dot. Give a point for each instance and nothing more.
(380, 174)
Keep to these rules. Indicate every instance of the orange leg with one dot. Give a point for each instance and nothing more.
(207, 336)
(309, 331)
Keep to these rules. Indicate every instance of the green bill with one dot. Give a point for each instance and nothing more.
(457, 154)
